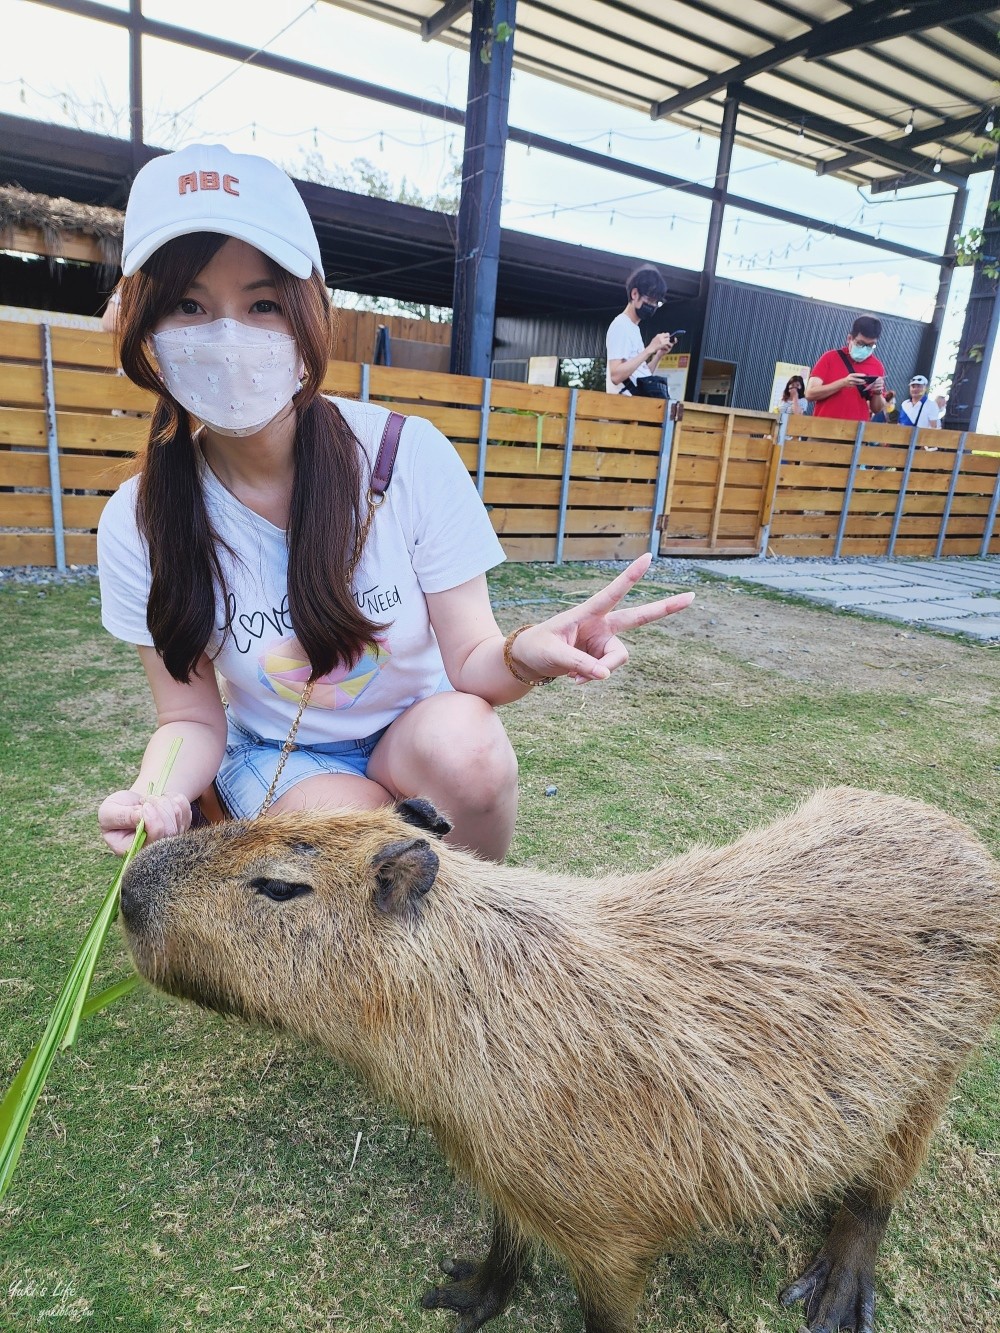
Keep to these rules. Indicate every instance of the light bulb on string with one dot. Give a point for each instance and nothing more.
(609, 142)
(697, 142)
(802, 128)
(253, 131)
(673, 219)
(908, 127)
(937, 165)
(315, 138)
(990, 121)
(611, 219)
(22, 94)
(381, 141)
(736, 229)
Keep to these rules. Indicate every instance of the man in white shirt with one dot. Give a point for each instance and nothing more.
(628, 356)
(920, 409)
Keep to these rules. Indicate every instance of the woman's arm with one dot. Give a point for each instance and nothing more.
(193, 712)
(581, 643)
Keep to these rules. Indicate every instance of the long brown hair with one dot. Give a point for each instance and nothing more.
(325, 515)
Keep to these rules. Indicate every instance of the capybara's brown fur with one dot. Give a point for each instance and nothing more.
(616, 1062)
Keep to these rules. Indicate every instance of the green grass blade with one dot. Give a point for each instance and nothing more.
(109, 909)
(19, 1103)
(112, 993)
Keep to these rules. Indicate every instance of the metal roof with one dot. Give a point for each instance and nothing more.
(368, 245)
(874, 91)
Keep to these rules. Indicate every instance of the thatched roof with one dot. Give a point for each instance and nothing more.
(56, 217)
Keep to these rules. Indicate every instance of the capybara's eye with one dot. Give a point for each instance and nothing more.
(279, 890)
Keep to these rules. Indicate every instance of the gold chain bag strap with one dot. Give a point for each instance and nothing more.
(385, 461)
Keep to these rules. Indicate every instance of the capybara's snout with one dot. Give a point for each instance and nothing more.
(150, 882)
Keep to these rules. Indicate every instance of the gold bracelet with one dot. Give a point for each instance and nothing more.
(508, 643)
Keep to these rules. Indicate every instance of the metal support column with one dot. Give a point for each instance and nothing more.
(52, 440)
(703, 302)
(484, 435)
(904, 481)
(491, 54)
(982, 314)
(931, 338)
(662, 473)
(956, 469)
(135, 124)
(567, 466)
(852, 472)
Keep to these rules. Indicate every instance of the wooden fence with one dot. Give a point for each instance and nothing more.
(849, 489)
(565, 474)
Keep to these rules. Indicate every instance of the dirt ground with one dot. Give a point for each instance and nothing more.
(810, 643)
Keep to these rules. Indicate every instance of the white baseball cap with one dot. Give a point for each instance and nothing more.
(918, 379)
(205, 187)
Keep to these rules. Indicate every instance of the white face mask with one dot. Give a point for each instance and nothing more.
(232, 377)
(859, 352)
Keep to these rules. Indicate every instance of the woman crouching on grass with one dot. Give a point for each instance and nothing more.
(358, 656)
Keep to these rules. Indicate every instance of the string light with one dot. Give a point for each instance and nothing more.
(937, 165)
(990, 121)
(908, 127)
(697, 142)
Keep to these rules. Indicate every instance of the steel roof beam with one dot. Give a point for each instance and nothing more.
(944, 130)
(875, 150)
(874, 24)
(443, 19)
(810, 44)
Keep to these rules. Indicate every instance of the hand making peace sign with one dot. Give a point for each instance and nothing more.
(583, 642)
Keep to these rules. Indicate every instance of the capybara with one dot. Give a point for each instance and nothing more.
(621, 1061)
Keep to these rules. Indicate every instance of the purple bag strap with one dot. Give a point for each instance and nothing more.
(385, 459)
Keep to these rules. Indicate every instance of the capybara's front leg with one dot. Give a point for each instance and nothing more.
(478, 1292)
(838, 1287)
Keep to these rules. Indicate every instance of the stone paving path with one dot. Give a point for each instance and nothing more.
(960, 595)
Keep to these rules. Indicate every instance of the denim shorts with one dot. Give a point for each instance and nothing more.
(250, 761)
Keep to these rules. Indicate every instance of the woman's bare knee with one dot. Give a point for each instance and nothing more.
(333, 791)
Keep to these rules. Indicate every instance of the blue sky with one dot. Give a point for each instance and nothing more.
(74, 71)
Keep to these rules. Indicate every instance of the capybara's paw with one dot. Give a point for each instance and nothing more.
(837, 1295)
(469, 1293)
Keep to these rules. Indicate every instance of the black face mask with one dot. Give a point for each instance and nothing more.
(647, 309)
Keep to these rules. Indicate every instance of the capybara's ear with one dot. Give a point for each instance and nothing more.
(421, 814)
(404, 871)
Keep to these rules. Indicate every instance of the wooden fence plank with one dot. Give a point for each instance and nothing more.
(21, 385)
(86, 390)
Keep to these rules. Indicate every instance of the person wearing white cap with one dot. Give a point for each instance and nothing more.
(269, 545)
(920, 409)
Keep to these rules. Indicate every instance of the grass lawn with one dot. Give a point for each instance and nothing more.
(183, 1172)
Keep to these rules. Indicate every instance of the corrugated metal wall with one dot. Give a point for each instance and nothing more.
(753, 328)
(750, 326)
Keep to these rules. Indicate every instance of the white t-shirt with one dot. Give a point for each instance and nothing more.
(624, 341)
(430, 534)
(928, 413)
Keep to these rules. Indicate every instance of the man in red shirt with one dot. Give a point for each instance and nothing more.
(848, 382)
